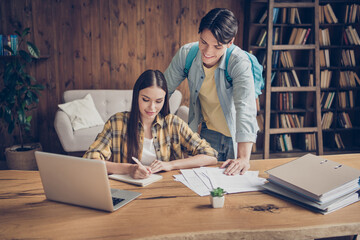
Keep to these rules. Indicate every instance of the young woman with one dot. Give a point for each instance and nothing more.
(150, 134)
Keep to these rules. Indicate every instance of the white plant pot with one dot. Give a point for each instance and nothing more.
(217, 202)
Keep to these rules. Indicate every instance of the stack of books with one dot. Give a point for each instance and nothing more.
(315, 183)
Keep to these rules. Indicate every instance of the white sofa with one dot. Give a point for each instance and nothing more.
(107, 102)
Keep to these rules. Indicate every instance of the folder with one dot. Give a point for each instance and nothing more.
(325, 208)
(316, 178)
(140, 182)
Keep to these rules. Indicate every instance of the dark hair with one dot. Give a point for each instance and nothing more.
(147, 79)
(222, 23)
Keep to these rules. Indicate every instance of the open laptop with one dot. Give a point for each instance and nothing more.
(80, 181)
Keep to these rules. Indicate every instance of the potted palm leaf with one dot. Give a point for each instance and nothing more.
(19, 95)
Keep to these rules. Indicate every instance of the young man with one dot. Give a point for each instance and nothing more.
(226, 111)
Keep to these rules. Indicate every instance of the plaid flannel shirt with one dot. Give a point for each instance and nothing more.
(171, 136)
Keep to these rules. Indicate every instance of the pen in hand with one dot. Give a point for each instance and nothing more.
(140, 164)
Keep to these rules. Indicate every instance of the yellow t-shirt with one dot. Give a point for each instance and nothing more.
(210, 104)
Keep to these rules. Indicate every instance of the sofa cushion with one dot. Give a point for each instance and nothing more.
(107, 101)
(82, 113)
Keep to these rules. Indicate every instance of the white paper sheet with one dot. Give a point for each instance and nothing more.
(203, 180)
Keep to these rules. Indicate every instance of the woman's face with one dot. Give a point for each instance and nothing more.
(151, 101)
(211, 50)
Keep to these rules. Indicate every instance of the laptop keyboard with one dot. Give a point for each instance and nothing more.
(117, 200)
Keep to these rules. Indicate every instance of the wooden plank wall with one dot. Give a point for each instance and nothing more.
(101, 44)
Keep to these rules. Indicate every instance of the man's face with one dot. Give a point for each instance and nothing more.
(211, 50)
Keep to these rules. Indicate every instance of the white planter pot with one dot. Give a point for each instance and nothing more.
(217, 202)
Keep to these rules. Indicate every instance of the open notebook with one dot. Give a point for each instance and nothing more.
(140, 182)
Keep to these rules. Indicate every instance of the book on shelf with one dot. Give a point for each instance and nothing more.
(286, 59)
(261, 41)
(310, 142)
(348, 58)
(321, 15)
(264, 16)
(280, 143)
(283, 143)
(324, 37)
(346, 99)
(324, 58)
(325, 78)
(327, 14)
(261, 56)
(293, 34)
(273, 75)
(294, 16)
(318, 189)
(287, 142)
(286, 101)
(283, 15)
(332, 14)
(291, 121)
(338, 141)
(348, 79)
(326, 99)
(344, 120)
(275, 59)
(275, 14)
(276, 36)
(357, 78)
(285, 82)
(327, 120)
(352, 13)
(296, 79)
(352, 36)
(306, 36)
(311, 80)
(299, 36)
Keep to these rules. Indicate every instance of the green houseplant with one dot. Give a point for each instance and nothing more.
(217, 197)
(19, 95)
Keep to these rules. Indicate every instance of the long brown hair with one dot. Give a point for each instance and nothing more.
(147, 79)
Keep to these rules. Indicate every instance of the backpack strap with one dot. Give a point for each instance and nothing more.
(257, 70)
(190, 58)
(228, 54)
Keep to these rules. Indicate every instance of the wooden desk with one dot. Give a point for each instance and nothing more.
(168, 210)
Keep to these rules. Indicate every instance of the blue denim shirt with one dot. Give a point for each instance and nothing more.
(237, 101)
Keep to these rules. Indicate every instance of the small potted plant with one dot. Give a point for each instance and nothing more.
(217, 197)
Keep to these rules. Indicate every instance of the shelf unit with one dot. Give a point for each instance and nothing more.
(308, 64)
(348, 134)
(287, 102)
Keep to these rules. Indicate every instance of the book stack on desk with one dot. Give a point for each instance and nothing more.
(315, 183)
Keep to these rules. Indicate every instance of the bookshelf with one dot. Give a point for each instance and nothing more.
(311, 100)
(339, 40)
(289, 51)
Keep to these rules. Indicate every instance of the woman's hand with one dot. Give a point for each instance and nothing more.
(157, 166)
(139, 172)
